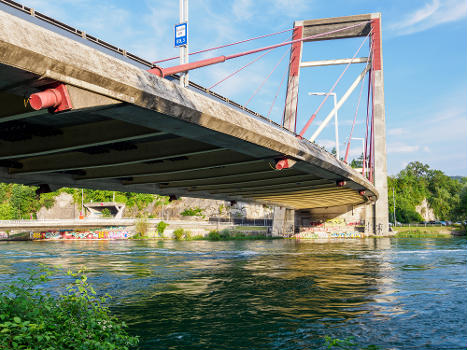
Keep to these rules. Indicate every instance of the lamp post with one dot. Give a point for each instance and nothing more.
(336, 127)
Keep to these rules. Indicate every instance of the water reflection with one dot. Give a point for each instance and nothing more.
(400, 294)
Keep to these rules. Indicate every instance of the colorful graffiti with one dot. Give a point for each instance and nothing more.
(101, 233)
(328, 231)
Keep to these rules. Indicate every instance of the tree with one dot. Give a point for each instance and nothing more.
(418, 182)
(358, 162)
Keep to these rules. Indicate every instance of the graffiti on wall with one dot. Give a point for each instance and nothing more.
(328, 231)
(100, 233)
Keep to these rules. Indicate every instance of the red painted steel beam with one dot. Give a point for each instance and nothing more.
(291, 99)
(376, 46)
(56, 98)
(163, 72)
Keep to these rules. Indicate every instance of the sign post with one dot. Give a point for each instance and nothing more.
(181, 39)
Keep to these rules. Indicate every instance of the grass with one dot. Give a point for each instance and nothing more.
(429, 231)
(227, 235)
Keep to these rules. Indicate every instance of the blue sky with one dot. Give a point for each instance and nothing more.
(424, 54)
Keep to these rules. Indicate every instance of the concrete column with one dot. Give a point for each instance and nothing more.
(380, 172)
(283, 222)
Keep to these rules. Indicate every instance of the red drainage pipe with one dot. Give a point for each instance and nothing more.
(56, 98)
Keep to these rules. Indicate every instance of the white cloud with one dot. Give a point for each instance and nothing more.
(431, 15)
(242, 9)
(327, 143)
(402, 148)
(396, 131)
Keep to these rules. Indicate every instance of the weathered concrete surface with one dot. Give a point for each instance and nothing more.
(322, 25)
(284, 222)
(105, 90)
(381, 174)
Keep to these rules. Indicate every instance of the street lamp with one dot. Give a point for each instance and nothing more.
(336, 128)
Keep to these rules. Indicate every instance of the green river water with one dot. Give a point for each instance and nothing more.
(281, 294)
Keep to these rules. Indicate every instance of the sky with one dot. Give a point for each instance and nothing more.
(424, 59)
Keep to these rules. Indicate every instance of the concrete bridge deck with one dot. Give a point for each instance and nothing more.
(129, 130)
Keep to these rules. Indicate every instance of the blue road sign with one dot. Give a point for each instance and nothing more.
(181, 34)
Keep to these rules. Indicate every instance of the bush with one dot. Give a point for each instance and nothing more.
(178, 234)
(161, 226)
(240, 235)
(31, 318)
(214, 235)
(106, 213)
(141, 227)
(192, 212)
(225, 234)
(187, 235)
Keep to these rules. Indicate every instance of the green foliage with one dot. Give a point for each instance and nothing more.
(417, 182)
(161, 200)
(31, 318)
(221, 209)
(225, 234)
(192, 212)
(357, 162)
(21, 202)
(161, 226)
(141, 227)
(178, 234)
(7, 212)
(214, 236)
(47, 200)
(346, 344)
(106, 213)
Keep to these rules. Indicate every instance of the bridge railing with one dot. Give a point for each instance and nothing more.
(82, 35)
(242, 221)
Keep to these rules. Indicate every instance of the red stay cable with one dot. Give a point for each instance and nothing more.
(277, 91)
(313, 116)
(163, 72)
(265, 80)
(354, 121)
(365, 153)
(367, 122)
(240, 69)
(226, 45)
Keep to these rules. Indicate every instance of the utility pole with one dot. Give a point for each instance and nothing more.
(82, 203)
(184, 48)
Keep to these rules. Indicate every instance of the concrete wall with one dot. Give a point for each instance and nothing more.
(63, 208)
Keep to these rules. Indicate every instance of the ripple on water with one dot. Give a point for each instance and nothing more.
(399, 294)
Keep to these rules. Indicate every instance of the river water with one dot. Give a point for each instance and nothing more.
(281, 294)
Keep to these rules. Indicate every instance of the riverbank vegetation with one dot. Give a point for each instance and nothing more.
(446, 196)
(74, 317)
(23, 202)
(420, 232)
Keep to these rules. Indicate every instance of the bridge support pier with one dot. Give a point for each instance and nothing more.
(283, 222)
(381, 215)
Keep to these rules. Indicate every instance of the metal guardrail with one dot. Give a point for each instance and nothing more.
(420, 225)
(129, 222)
(242, 221)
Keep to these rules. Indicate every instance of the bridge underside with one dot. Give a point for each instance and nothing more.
(131, 131)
